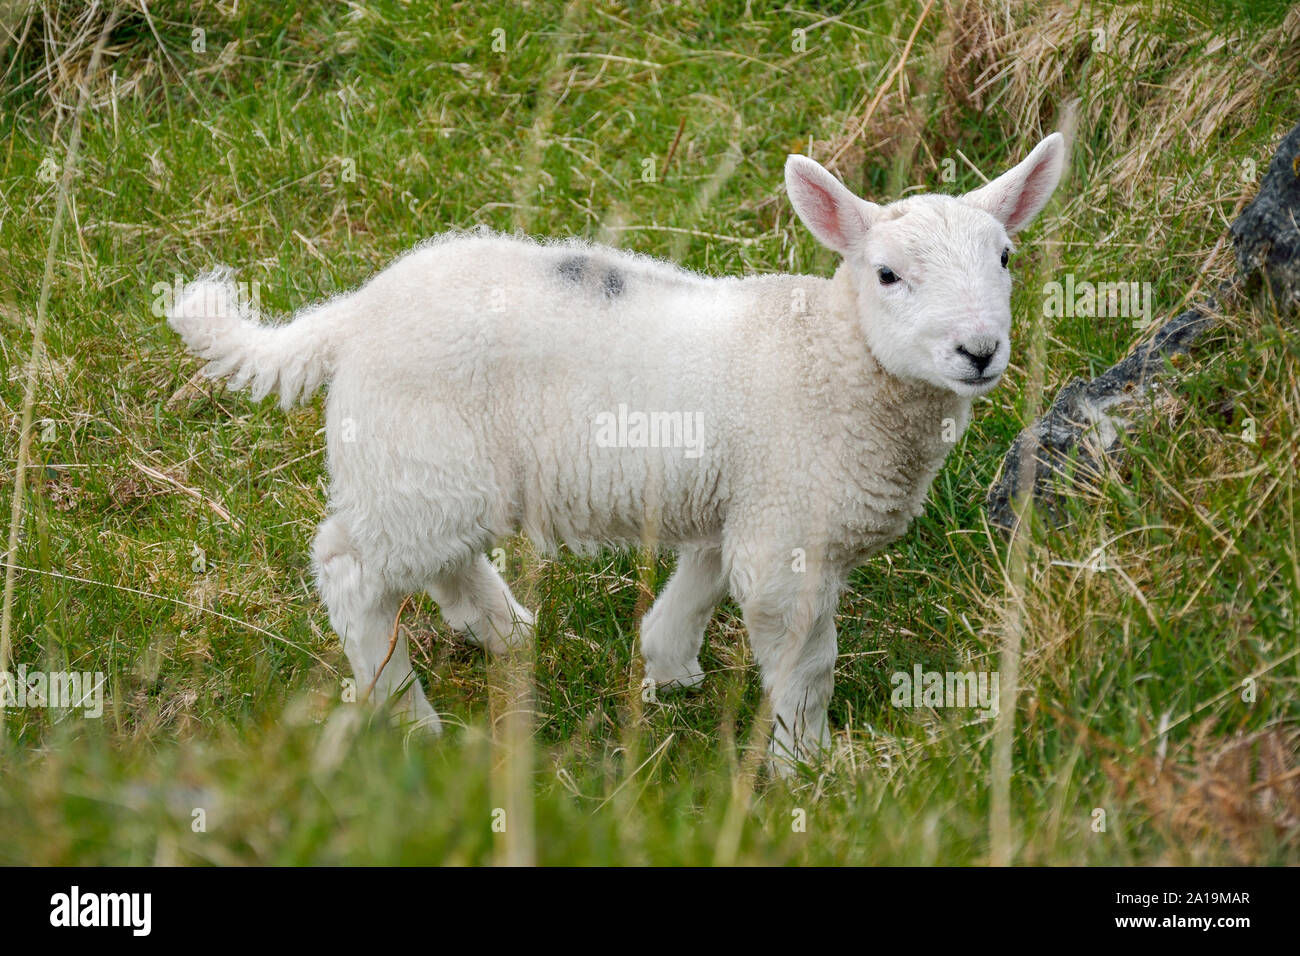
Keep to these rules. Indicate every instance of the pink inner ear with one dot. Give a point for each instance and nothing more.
(826, 211)
(822, 209)
(1030, 195)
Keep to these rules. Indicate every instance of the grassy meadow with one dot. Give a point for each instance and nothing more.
(161, 532)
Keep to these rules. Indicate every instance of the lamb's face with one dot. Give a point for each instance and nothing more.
(937, 312)
(932, 272)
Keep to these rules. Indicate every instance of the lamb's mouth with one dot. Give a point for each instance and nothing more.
(981, 382)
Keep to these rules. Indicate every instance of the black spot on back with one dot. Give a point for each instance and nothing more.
(613, 285)
(572, 268)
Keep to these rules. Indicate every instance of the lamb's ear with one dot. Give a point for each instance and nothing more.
(1020, 194)
(834, 215)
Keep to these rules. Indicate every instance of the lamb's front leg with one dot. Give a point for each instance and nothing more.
(791, 625)
(673, 629)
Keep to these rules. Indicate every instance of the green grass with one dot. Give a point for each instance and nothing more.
(224, 682)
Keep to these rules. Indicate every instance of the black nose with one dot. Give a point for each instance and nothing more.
(979, 359)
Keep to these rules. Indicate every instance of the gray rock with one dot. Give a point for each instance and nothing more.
(1266, 236)
(1083, 425)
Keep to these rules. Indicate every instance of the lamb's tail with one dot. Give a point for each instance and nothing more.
(217, 324)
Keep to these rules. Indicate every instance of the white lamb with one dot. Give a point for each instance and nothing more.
(775, 430)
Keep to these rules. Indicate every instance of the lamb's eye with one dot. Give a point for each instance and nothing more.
(1006, 257)
(887, 275)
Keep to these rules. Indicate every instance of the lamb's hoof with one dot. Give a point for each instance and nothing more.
(415, 716)
(426, 727)
(787, 758)
(675, 678)
(498, 641)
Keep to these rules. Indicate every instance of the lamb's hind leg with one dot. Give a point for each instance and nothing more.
(476, 601)
(673, 629)
(363, 609)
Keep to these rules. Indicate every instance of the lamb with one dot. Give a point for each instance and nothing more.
(774, 430)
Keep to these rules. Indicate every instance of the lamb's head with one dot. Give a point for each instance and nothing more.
(931, 272)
